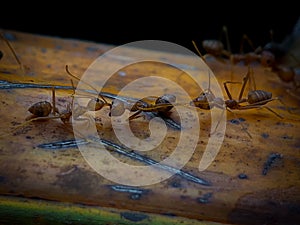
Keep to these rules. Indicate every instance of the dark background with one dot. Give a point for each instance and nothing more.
(117, 24)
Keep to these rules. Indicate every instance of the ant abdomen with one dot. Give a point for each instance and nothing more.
(41, 109)
(213, 47)
(258, 96)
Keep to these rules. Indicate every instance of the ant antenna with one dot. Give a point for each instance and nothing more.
(225, 31)
(12, 50)
(198, 51)
(69, 73)
(53, 101)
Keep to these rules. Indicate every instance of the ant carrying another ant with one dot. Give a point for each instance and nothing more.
(156, 104)
(160, 105)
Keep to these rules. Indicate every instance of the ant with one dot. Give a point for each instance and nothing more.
(216, 48)
(249, 57)
(274, 56)
(255, 98)
(207, 99)
(156, 104)
(270, 56)
(284, 62)
(262, 55)
(118, 106)
(43, 110)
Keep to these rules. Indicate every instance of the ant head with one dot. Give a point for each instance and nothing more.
(204, 100)
(213, 47)
(267, 58)
(95, 104)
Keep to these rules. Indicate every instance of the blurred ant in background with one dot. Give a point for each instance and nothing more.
(281, 58)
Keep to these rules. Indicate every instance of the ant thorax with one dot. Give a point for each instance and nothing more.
(232, 104)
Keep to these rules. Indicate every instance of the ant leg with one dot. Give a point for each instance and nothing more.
(245, 80)
(271, 110)
(226, 88)
(77, 78)
(54, 109)
(243, 128)
(286, 107)
(218, 122)
(262, 104)
(135, 115)
(248, 40)
(225, 31)
(198, 51)
(28, 122)
(12, 50)
(293, 94)
(251, 80)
